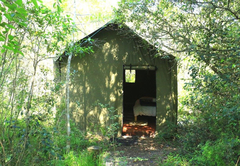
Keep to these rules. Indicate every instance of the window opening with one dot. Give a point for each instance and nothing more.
(130, 76)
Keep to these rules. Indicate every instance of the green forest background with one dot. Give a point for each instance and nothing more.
(203, 35)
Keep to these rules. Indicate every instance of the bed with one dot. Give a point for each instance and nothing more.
(144, 106)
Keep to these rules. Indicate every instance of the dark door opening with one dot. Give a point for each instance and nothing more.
(139, 84)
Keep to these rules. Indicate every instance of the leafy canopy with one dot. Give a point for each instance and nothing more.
(207, 30)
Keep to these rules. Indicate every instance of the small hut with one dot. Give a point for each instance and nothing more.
(127, 73)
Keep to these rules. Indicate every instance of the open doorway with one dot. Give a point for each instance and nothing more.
(139, 100)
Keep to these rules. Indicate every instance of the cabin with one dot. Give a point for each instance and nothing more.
(125, 74)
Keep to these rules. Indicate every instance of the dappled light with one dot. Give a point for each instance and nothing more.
(111, 97)
(99, 79)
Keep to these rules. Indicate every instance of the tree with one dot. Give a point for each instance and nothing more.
(207, 30)
(206, 33)
(30, 33)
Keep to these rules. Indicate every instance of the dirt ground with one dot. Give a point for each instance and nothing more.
(146, 151)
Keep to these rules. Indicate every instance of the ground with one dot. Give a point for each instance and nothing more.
(146, 151)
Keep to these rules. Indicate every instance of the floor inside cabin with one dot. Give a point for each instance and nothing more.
(144, 126)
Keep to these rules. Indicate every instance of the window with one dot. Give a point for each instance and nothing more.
(130, 76)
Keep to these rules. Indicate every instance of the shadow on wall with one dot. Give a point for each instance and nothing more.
(167, 101)
(99, 77)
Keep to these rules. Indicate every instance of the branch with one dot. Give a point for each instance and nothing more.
(225, 8)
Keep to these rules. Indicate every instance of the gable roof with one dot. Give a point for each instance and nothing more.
(126, 30)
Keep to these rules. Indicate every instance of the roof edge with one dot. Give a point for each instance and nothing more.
(113, 22)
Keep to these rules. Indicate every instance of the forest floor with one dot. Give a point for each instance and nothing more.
(146, 151)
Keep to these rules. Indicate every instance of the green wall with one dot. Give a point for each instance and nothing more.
(99, 77)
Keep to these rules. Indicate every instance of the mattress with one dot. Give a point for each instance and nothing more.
(145, 106)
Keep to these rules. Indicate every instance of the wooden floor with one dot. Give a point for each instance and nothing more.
(138, 129)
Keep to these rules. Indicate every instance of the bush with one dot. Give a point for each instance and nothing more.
(175, 159)
(81, 158)
(209, 121)
(221, 152)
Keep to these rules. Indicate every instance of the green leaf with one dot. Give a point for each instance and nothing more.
(35, 3)
(8, 16)
(11, 6)
(23, 24)
(7, 47)
(10, 37)
(58, 8)
(22, 17)
(2, 38)
(10, 26)
(19, 2)
(22, 11)
(16, 51)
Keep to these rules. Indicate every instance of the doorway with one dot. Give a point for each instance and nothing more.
(138, 82)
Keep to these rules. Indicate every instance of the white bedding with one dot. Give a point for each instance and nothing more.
(138, 109)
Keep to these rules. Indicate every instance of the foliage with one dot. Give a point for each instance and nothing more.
(111, 130)
(206, 35)
(29, 34)
(81, 159)
(175, 160)
(205, 30)
(89, 14)
(36, 147)
(31, 131)
(219, 152)
(130, 76)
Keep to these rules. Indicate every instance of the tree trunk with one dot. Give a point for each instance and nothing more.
(67, 102)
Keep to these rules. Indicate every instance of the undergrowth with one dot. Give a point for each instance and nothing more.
(208, 124)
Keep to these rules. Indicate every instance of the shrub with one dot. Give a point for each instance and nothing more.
(221, 152)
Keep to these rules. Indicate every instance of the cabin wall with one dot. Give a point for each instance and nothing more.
(166, 96)
(98, 78)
